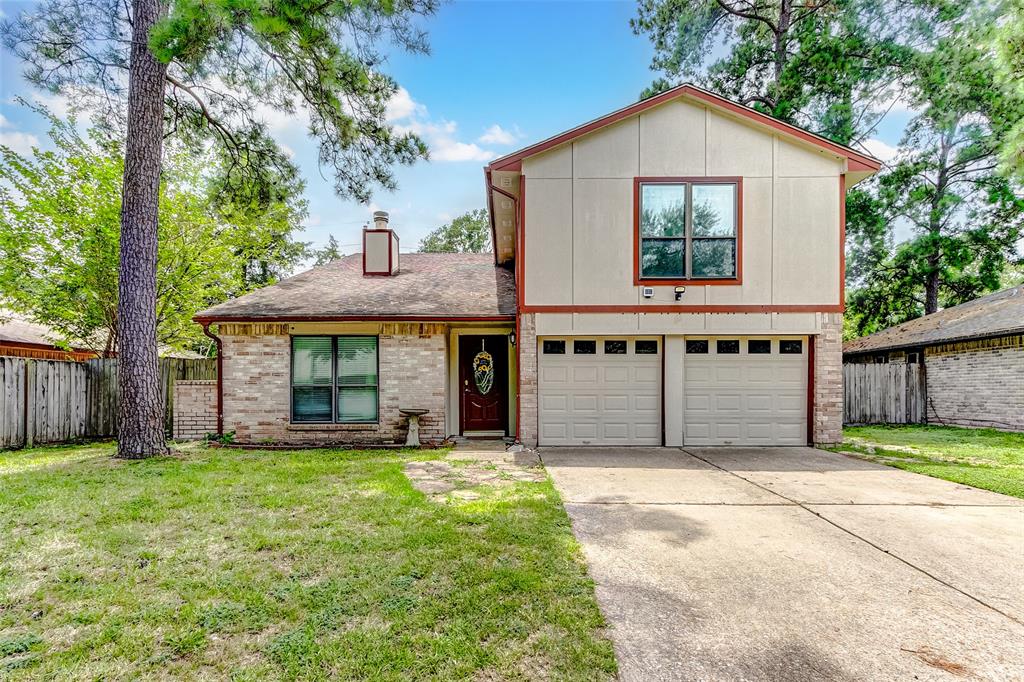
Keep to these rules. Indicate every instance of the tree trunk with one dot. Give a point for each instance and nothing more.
(141, 415)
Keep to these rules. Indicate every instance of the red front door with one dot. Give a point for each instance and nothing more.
(483, 380)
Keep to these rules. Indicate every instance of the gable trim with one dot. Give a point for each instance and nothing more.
(856, 160)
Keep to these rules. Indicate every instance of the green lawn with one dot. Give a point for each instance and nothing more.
(317, 564)
(983, 458)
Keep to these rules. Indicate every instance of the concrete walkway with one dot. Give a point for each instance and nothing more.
(795, 564)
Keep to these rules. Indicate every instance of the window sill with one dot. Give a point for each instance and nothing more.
(334, 427)
(685, 282)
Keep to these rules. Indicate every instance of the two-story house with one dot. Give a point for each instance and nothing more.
(668, 274)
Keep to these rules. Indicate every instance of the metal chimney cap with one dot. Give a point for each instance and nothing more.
(380, 215)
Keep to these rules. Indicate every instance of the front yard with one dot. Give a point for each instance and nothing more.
(983, 458)
(320, 564)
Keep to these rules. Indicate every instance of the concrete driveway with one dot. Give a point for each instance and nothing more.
(795, 564)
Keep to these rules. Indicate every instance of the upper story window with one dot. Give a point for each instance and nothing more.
(688, 229)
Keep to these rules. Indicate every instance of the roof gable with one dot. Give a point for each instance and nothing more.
(857, 161)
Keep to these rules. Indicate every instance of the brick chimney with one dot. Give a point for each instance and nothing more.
(380, 247)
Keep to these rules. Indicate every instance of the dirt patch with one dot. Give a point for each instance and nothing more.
(446, 480)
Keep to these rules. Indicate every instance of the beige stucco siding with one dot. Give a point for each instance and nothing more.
(579, 210)
(601, 276)
(805, 247)
(549, 242)
(672, 140)
(581, 324)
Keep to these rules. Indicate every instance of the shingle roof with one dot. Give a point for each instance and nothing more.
(993, 315)
(428, 285)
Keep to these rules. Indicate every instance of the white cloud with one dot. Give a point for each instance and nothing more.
(441, 139)
(403, 106)
(3, 121)
(21, 143)
(880, 150)
(498, 135)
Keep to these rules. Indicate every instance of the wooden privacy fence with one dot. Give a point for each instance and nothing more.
(887, 393)
(51, 401)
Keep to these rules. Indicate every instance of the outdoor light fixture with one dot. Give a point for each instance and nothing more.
(679, 293)
(512, 338)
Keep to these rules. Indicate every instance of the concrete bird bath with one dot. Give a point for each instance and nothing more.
(412, 440)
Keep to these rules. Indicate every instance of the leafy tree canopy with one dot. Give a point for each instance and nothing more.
(468, 233)
(826, 65)
(328, 253)
(967, 219)
(232, 64)
(59, 237)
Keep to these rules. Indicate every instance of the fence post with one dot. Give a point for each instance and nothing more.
(30, 403)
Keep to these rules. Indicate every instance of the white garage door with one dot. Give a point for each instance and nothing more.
(600, 391)
(745, 391)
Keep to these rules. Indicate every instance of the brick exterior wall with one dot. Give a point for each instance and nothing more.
(195, 409)
(528, 351)
(976, 383)
(257, 403)
(827, 420)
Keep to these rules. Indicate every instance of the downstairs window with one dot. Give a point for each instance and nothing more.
(334, 379)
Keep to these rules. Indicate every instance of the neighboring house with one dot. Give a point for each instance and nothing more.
(20, 337)
(972, 355)
(668, 274)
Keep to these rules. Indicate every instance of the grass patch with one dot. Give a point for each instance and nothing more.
(983, 458)
(315, 564)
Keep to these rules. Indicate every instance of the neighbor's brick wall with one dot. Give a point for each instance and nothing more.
(527, 343)
(827, 425)
(195, 409)
(977, 383)
(257, 391)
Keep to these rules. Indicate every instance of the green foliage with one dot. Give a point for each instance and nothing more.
(826, 65)
(329, 253)
(1009, 41)
(60, 226)
(966, 218)
(468, 233)
(233, 64)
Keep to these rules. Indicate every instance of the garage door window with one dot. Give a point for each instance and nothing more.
(759, 347)
(728, 346)
(554, 347)
(696, 346)
(614, 347)
(584, 347)
(791, 346)
(646, 347)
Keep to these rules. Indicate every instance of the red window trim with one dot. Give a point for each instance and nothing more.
(692, 180)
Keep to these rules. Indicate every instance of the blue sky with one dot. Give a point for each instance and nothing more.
(500, 75)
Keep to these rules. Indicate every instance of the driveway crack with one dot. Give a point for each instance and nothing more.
(859, 537)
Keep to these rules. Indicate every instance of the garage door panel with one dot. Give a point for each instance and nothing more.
(648, 403)
(616, 403)
(584, 403)
(554, 375)
(612, 399)
(616, 375)
(744, 399)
